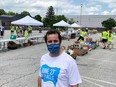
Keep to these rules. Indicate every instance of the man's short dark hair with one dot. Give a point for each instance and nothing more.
(52, 32)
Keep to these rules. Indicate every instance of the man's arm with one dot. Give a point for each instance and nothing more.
(39, 81)
(75, 85)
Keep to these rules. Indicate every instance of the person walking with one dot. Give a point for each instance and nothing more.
(110, 40)
(104, 39)
(30, 30)
(82, 35)
(12, 29)
(69, 33)
(57, 68)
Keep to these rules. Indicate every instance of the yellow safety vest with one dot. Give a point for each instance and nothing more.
(110, 38)
(18, 29)
(73, 31)
(84, 33)
(104, 35)
(12, 28)
(30, 28)
(26, 34)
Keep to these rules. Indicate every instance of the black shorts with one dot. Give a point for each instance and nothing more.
(2, 33)
(104, 40)
(80, 38)
(29, 31)
(12, 31)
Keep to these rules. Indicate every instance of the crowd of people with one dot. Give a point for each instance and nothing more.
(21, 30)
(107, 36)
(57, 68)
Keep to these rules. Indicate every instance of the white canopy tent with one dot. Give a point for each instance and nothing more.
(62, 23)
(27, 21)
(75, 25)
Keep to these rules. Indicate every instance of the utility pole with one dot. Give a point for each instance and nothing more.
(81, 14)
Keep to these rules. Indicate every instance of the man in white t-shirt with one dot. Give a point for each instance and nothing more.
(69, 32)
(57, 68)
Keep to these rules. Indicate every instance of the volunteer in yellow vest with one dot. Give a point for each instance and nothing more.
(30, 30)
(82, 35)
(12, 29)
(73, 30)
(110, 40)
(104, 39)
(26, 34)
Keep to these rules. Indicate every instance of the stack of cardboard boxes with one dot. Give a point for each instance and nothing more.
(80, 49)
(92, 44)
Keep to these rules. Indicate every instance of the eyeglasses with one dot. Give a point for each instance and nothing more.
(53, 41)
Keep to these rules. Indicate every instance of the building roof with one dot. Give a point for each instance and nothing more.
(90, 20)
(5, 17)
(16, 17)
(11, 18)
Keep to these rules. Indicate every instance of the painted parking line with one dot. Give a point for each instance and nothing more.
(93, 83)
(89, 78)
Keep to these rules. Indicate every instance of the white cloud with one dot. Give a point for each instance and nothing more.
(62, 7)
(103, 1)
(112, 5)
(40, 6)
(92, 10)
(44, 3)
(92, 13)
(105, 12)
(67, 8)
(113, 11)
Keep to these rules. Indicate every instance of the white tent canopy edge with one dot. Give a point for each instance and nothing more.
(27, 20)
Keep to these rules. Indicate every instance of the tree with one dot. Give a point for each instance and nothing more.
(59, 18)
(11, 13)
(38, 17)
(71, 21)
(25, 13)
(50, 17)
(2, 12)
(109, 23)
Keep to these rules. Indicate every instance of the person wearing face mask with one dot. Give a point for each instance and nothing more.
(57, 68)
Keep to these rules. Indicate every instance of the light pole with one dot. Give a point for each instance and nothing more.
(81, 14)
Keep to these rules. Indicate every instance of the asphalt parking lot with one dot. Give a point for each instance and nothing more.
(19, 68)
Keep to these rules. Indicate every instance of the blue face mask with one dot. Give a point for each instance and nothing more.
(53, 48)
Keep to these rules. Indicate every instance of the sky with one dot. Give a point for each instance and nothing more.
(61, 7)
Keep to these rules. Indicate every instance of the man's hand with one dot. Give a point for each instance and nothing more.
(39, 81)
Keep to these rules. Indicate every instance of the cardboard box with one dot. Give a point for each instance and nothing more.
(75, 54)
(85, 46)
(73, 51)
(88, 39)
(81, 52)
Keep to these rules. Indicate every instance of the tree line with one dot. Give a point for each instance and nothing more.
(51, 18)
(48, 20)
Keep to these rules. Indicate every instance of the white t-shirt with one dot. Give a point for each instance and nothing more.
(69, 31)
(1, 28)
(61, 71)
